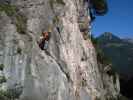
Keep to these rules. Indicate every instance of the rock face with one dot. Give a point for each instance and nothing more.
(68, 69)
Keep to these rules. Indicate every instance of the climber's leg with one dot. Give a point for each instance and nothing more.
(45, 45)
(58, 29)
(40, 45)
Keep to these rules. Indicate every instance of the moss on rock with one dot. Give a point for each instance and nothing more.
(60, 2)
(2, 67)
(17, 18)
(10, 10)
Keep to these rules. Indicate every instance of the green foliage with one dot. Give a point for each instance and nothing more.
(83, 27)
(19, 50)
(100, 6)
(94, 40)
(51, 2)
(100, 54)
(85, 35)
(101, 57)
(8, 95)
(119, 51)
(2, 79)
(121, 97)
(112, 72)
(55, 19)
(10, 10)
(2, 67)
(60, 2)
(3, 95)
(97, 98)
(18, 19)
(12, 93)
(84, 82)
(111, 98)
(21, 21)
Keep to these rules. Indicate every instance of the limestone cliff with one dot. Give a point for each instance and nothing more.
(67, 70)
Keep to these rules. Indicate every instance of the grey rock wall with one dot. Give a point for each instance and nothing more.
(67, 70)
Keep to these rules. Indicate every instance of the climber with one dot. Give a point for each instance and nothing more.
(43, 42)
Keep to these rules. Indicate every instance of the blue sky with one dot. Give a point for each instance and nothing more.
(118, 20)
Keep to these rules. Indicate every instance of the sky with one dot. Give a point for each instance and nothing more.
(118, 20)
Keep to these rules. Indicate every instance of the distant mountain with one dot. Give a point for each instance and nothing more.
(128, 40)
(119, 51)
(108, 37)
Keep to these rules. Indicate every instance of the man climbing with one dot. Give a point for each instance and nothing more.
(43, 42)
